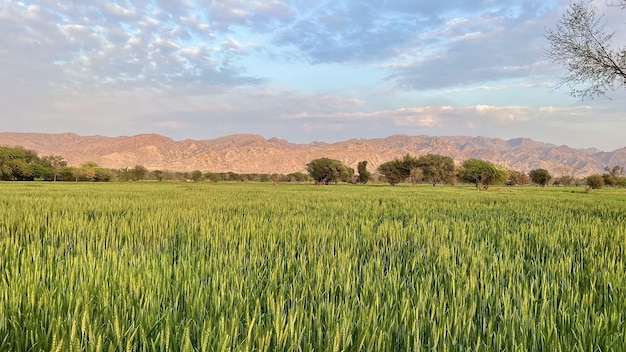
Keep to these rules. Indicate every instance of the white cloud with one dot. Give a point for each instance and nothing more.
(305, 69)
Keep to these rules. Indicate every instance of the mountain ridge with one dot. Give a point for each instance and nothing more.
(252, 153)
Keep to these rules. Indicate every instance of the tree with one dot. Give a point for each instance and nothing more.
(212, 176)
(102, 174)
(517, 178)
(364, 175)
(393, 171)
(613, 175)
(437, 168)
(566, 175)
(416, 175)
(540, 176)
(579, 41)
(326, 171)
(196, 175)
(139, 172)
(55, 162)
(595, 181)
(158, 174)
(16, 163)
(398, 170)
(479, 172)
(298, 177)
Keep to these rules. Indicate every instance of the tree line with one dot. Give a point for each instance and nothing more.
(438, 169)
(20, 164)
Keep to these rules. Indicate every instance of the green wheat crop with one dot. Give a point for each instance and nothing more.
(256, 267)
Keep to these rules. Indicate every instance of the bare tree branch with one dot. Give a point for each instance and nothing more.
(580, 43)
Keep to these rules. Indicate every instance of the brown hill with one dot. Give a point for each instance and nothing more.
(255, 154)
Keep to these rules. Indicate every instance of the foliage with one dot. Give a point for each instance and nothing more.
(297, 177)
(196, 176)
(326, 171)
(393, 171)
(540, 176)
(481, 172)
(517, 178)
(15, 163)
(579, 42)
(416, 175)
(614, 175)
(437, 168)
(595, 181)
(255, 267)
(364, 175)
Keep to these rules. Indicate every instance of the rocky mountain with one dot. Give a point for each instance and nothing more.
(255, 154)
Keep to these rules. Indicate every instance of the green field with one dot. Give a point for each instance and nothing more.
(258, 267)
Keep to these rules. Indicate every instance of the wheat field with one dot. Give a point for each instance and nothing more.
(261, 267)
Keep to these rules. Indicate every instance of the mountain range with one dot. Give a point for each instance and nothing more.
(246, 153)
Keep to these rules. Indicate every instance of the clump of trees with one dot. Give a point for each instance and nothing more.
(20, 164)
(431, 167)
(614, 176)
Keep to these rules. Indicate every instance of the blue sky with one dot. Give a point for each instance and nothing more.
(301, 70)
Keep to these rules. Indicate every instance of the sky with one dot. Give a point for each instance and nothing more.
(300, 70)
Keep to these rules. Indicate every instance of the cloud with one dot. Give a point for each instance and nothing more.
(121, 45)
(486, 56)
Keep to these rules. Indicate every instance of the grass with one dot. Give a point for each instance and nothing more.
(258, 267)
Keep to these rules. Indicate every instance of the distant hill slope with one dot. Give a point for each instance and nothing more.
(255, 154)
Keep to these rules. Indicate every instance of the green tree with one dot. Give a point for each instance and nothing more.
(298, 177)
(196, 175)
(613, 175)
(364, 175)
(55, 162)
(158, 175)
(481, 172)
(16, 163)
(540, 176)
(326, 171)
(212, 176)
(393, 171)
(139, 172)
(102, 174)
(66, 173)
(595, 181)
(399, 169)
(437, 168)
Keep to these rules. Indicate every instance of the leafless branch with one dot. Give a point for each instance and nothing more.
(580, 43)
